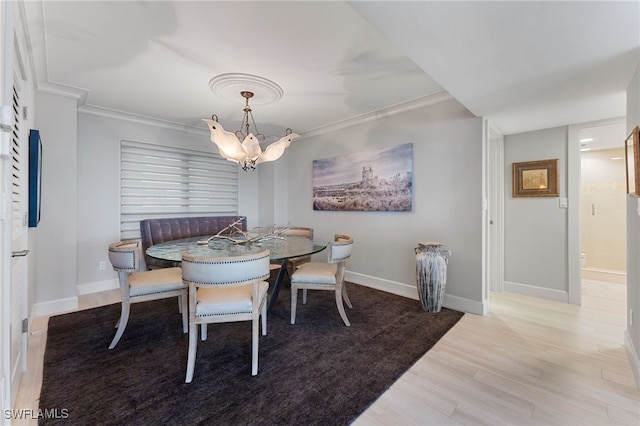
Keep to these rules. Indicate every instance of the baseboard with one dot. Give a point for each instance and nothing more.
(98, 286)
(55, 307)
(401, 289)
(464, 305)
(634, 357)
(59, 306)
(410, 291)
(389, 286)
(534, 291)
(606, 275)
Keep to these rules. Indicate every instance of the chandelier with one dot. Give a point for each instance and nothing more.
(248, 154)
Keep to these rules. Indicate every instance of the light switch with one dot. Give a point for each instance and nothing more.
(563, 202)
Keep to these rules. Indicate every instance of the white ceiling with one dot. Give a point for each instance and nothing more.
(604, 136)
(524, 65)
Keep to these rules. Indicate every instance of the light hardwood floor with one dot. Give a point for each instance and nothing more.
(528, 362)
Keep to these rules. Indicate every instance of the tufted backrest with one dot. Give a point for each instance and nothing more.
(156, 231)
(225, 271)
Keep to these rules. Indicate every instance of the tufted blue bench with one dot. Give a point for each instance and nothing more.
(156, 231)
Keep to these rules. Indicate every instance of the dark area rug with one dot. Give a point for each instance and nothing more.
(316, 372)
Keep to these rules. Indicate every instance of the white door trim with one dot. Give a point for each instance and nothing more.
(492, 212)
(496, 209)
(574, 278)
(6, 124)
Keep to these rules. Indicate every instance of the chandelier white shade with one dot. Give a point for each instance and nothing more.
(247, 153)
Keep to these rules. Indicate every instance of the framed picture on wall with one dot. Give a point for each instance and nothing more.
(373, 180)
(536, 178)
(632, 160)
(35, 177)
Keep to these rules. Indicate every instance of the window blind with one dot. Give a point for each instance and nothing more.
(158, 181)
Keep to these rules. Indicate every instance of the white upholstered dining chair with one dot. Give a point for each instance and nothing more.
(136, 286)
(324, 276)
(226, 289)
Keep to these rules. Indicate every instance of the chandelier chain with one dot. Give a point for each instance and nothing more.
(248, 120)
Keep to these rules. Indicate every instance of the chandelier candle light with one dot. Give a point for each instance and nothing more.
(248, 154)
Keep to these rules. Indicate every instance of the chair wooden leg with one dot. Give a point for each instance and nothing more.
(264, 318)
(203, 332)
(291, 268)
(304, 296)
(122, 324)
(185, 313)
(254, 346)
(193, 346)
(341, 307)
(345, 296)
(294, 303)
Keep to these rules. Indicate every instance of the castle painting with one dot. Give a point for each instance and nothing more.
(379, 180)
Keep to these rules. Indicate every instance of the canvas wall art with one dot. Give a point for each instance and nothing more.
(376, 180)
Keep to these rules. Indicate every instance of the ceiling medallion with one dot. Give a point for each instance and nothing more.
(228, 86)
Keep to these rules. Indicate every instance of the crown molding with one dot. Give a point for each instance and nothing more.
(32, 19)
(140, 119)
(432, 99)
(417, 103)
(80, 95)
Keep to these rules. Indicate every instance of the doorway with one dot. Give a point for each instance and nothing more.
(603, 203)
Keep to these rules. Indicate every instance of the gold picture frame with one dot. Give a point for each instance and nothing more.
(536, 178)
(632, 161)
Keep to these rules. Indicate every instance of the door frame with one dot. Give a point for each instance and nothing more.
(492, 212)
(13, 269)
(574, 275)
(574, 162)
(6, 127)
(496, 209)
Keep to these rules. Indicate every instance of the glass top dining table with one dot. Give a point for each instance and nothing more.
(281, 249)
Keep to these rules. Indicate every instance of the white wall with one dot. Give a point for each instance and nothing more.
(84, 210)
(633, 240)
(266, 202)
(55, 239)
(447, 200)
(536, 228)
(81, 195)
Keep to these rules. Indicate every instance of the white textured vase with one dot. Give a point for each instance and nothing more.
(431, 274)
